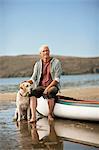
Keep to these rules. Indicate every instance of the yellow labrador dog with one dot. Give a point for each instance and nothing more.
(22, 101)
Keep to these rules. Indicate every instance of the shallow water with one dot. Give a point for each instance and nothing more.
(44, 135)
(67, 81)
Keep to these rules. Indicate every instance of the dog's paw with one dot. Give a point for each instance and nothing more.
(28, 118)
(14, 119)
(19, 119)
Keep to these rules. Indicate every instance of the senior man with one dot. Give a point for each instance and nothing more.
(46, 76)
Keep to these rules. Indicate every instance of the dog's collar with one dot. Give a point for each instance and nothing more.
(20, 94)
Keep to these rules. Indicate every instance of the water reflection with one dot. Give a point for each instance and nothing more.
(51, 135)
(24, 138)
(34, 134)
(42, 136)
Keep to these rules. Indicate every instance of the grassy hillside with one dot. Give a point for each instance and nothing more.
(22, 65)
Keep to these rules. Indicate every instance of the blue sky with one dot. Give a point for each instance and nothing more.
(69, 27)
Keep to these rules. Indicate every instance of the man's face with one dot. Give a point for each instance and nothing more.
(45, 53)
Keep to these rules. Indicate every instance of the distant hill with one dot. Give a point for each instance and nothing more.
(22, 65)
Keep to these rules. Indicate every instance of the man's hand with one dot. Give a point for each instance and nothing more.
(45, 91)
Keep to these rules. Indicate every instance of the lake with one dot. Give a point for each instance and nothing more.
(67, 81)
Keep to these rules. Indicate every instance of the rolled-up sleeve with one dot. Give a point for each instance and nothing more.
(58, 71)
(34, 75)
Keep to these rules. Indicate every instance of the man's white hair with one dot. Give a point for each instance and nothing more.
(42, 47)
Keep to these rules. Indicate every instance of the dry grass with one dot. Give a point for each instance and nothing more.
(22, 66)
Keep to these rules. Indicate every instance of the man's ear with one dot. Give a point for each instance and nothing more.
(30, 81)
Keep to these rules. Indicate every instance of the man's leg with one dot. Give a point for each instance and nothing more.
(51, 101)
(33, 105)
(36, 93)
(51, 104)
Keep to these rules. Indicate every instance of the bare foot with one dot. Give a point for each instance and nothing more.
(32, 120)
(50, 118)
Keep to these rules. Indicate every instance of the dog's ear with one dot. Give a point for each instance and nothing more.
(30, 81)
(20, 85)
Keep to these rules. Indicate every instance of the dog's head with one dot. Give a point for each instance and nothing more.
(26, 87)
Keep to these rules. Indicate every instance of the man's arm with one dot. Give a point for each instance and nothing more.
(53, 83)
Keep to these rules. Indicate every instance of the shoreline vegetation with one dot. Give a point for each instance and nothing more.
(78, 93)
(22, 65)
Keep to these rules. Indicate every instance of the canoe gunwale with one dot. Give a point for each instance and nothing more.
(72, 103)
(68, 99)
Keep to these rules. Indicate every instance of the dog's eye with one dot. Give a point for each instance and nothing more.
(27, 85)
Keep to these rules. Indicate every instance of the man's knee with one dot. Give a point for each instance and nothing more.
(37, 92)
(52, 92)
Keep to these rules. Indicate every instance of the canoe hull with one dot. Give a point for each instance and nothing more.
(71, 110)
(80, 132)
(77, 112)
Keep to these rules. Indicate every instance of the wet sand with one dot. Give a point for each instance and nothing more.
(60, 135)
(79, 93)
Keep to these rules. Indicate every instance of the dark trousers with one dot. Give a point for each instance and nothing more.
(38, 92)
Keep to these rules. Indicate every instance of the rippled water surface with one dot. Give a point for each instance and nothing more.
(86, 80)
(44, 135)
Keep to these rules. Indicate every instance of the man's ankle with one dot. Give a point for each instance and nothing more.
(50, 117)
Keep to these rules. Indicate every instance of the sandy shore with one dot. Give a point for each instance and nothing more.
(79, 93)
(82, 93)
(24, 135)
